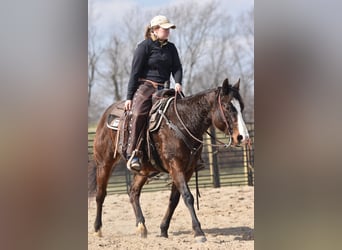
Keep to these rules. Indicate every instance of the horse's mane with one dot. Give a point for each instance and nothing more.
(232, 91)
(189, 107)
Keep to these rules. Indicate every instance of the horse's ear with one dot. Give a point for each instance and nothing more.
(237, 85)
(225, 86)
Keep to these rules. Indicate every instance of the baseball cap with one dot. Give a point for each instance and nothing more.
(162, 22)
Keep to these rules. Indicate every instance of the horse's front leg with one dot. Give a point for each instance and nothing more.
(134, 197)
(173, 202)
(181, 183)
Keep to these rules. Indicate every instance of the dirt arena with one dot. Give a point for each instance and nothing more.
(226, 215)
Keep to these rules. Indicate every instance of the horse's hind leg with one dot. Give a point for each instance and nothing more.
(104, 157)
(134, 195)
(173, 202)
(104, 172)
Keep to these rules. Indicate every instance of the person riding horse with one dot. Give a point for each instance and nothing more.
(154, 60)
(178, 142)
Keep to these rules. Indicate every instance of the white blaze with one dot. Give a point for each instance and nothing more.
(241, 124)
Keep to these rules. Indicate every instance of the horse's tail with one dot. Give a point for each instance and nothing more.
(92, 184)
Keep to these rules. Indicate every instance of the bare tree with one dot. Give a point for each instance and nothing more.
(217, 65)
(212, 46)
(94, 52)
(93, 59)
(194, 23)
(119, 52)
(133, 29)
(118, 66)
(215, 46)
(244, 58)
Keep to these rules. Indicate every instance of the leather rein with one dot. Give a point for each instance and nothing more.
(198, 195)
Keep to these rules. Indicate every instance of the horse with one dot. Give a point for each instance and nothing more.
(178, 142)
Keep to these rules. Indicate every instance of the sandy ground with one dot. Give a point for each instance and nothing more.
(226, 215)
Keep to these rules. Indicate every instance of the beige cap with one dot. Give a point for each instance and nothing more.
(163, 22)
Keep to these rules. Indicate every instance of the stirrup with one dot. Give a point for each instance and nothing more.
(133, 163)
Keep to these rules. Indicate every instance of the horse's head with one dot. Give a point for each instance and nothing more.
(228, 114)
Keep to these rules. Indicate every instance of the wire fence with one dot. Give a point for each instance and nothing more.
(232, 166)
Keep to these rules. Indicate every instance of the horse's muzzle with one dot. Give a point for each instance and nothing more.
(242, 141)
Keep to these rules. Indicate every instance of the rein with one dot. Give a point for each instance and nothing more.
(222, 144)
(198, 195)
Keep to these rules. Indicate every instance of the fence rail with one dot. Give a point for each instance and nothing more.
(223, 167)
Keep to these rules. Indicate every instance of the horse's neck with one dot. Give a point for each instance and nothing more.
(195, 111)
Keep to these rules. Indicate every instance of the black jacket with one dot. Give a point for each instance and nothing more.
(155, 62)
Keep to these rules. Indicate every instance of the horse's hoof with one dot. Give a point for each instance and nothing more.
(200, 239)
(141, 230)
(98, 233)
(164, 234)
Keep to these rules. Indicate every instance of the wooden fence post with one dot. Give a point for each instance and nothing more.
(214, 169)
(245, 164)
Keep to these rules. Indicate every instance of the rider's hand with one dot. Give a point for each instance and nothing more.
(178, 87)
(128, 104)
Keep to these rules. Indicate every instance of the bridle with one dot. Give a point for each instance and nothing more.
(229, 130)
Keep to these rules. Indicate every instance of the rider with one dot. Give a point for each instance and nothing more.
(154, 60)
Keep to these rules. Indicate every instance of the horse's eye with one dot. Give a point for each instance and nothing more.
(232, 108)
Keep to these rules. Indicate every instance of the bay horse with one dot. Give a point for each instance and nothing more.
(192, 115)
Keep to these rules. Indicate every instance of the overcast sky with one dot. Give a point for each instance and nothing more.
(110, 11)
